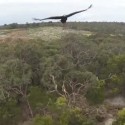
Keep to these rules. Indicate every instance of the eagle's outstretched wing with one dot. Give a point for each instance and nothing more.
(54, 17)
(71, 14)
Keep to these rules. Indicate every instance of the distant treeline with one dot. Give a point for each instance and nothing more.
(27, 25)
(105, 27)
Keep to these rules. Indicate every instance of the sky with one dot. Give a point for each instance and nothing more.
(22, 11)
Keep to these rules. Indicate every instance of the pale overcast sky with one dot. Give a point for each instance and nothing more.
(22, 11)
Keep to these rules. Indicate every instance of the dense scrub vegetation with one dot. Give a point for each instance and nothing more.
(62, 81)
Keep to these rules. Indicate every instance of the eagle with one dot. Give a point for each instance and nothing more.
(64, 17)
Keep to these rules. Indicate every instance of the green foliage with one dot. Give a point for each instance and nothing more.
(38, 98)
(9, 113)
(117, 67)
(81, 77)
(65, 115)
(31, 54)
(6, 52)
(95, 93)
(121, 118)
(43, 120)
(15, 72)
(74, 117)
(121, 114)
(61, 101)
(117, 64)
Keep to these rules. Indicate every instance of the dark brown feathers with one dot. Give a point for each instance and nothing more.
(63, 18)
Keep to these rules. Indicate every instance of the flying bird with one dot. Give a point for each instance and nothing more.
(64, 17)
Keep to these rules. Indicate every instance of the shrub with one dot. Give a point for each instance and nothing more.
(43, 120)
(121, 118)
(95, 93)
(9, 113)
